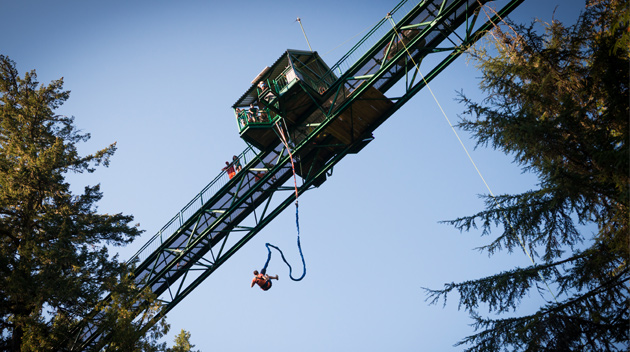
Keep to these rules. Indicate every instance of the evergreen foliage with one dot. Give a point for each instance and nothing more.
(558, 102)
(182, 343)
(55, 268)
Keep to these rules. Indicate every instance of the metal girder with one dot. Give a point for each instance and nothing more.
(210, 229)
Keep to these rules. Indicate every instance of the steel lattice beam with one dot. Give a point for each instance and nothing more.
(207, 232)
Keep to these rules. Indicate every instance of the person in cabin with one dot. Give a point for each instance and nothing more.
(230, 169)
(237, 163)
(242, 118)
(251, 114)
(262, 279)
(268, 95)
(263, 117)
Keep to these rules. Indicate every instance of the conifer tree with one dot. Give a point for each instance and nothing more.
(182, 343)
(557, 100)
(54, 264)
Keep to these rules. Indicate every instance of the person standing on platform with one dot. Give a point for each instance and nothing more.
(237, 163)
(230, 169)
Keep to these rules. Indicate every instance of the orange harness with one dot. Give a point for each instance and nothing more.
(264, 283)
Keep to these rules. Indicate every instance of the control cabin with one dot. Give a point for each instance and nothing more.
(294, 92)
(288, 88)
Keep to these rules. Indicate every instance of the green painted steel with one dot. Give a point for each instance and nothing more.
(229, 212)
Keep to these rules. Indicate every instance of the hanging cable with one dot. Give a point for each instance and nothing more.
(522, 243)
(284, 140)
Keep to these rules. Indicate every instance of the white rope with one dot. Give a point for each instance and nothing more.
(522, 243)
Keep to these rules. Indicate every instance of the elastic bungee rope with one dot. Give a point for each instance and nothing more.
(297, 219)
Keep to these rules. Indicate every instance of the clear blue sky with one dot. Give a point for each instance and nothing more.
(159, 77)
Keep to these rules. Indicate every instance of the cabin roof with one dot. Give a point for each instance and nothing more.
(273, 71)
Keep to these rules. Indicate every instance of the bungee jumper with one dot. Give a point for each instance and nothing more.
(262, 279)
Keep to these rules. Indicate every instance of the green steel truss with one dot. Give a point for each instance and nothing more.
(227, 213)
